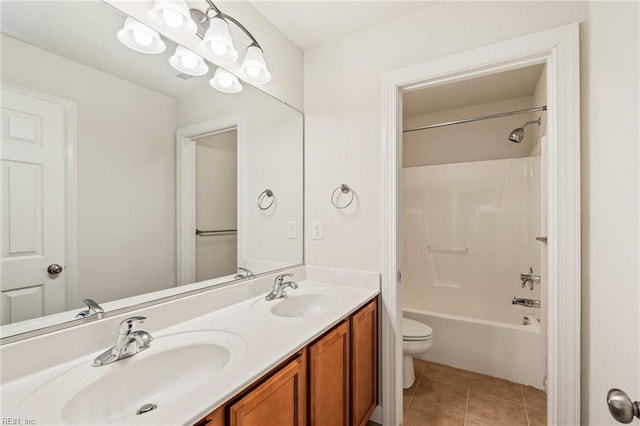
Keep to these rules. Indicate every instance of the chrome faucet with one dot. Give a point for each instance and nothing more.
(529, 303)
(529, 278)
(279, 286)
(130, 342)
(243, 273)
(92, 309)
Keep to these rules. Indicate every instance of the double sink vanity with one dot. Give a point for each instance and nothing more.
(307, 356)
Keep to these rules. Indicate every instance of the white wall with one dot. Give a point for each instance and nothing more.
(465, 238)
(343, 125)
(216, 204)
(274, 149)
(343, 106)
(476, 141)
(538, 215)
(610, 111)
(125, 172)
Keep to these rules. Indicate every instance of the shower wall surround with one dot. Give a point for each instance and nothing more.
(469, 231)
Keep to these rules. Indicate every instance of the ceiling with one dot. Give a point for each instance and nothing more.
(312, 23)
(481, 90)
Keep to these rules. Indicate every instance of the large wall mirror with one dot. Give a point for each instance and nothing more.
(138, 181)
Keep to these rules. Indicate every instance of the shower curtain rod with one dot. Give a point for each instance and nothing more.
(469, 120)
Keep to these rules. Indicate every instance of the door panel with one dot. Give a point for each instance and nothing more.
(23, 208)
(22, 304)
(280, 400)
(329, 378)
(33, 212)
(364, 361)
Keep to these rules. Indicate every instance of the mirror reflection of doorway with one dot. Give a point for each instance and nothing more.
(216, 204)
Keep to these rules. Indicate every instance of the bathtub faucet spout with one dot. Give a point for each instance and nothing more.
(529, 303)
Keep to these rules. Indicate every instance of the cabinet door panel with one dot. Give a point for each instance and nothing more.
(279, 401)
(214, 419)
(329, 378)
(364, 363)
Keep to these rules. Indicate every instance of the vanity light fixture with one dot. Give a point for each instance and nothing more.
(254, 69)
(173, 17)
(212, 26)
(213, 29)
(187, 62)
(140, 38)
(218, 41)
(226, 82)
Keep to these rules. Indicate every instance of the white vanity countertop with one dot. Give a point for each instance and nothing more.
(261, 342)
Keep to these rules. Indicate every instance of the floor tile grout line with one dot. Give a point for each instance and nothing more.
(495, 398)
(466, 407)
(524, 403)
(415, 386)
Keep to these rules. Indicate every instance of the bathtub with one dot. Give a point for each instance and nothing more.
(512, 352)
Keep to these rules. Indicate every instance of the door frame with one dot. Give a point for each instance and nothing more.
(70, 137)
(558, 48)
(186, 190)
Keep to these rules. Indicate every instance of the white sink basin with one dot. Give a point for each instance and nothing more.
(171, 369)
(304, 305)
(299, 305)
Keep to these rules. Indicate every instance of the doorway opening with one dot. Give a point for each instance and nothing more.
(556, 50)
(473, 256)
(216, 204)
(211, 229)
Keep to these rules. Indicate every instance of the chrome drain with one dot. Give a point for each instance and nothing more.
(146, 408)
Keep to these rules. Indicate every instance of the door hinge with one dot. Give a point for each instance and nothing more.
(399, 276)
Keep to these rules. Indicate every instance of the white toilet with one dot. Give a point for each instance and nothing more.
(417, 338)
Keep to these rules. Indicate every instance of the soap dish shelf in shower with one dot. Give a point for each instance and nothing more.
(448, 250)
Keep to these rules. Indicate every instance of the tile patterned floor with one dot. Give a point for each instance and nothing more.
(447, 396)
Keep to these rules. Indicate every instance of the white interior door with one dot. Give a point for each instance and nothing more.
(33, 207)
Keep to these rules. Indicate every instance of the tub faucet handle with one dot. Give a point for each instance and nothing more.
(529, 278)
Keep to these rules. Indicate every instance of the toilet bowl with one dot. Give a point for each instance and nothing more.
(416, 340)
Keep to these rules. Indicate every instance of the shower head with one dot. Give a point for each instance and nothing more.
(517, 135)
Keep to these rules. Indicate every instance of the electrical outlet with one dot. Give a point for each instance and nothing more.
(316, 230)
(292, 230)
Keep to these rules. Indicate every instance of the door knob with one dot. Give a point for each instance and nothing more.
(54, 269)
(621, 407)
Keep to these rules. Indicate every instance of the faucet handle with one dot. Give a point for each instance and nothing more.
(280, 278)
(92, 309)
(130, 325)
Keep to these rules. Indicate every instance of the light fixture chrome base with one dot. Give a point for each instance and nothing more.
(201, 20)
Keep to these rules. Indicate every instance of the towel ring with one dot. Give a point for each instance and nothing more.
(344, 188)
(267, 193)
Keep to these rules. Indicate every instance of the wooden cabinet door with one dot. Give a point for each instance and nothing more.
(214, 419)
(280, 401)
(364, 363)
(329, 378)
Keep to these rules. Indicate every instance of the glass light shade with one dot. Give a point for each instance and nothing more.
(188, 62)
(218, 41)
(254, 69)
(140, 38)
(226, 82)
(173, 17)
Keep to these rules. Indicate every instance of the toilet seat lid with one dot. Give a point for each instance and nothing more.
(414, 330)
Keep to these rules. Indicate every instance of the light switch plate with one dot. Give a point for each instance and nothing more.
(292, 230)
(316, 230)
